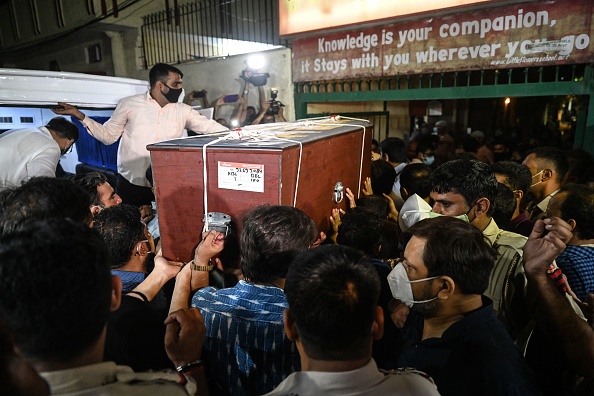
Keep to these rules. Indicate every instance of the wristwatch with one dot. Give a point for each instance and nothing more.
(195, 267)
(184, 368)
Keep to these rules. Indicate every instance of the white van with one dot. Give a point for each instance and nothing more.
(26, 95)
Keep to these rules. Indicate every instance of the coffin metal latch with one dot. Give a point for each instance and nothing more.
(338, 193)
(218, 221)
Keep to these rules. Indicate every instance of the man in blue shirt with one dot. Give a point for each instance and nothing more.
(130, 247)
(135, 332)
(246, 348)
(574, 203)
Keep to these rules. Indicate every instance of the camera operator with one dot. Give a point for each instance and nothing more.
(198, 96)
(270, 110)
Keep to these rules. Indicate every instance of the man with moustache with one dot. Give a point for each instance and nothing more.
(452, 332)
(144, 119)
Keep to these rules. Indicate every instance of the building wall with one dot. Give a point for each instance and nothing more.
(70, 53)
(221, 77)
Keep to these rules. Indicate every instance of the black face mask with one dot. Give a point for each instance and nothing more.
(500, 157)
(173, 95)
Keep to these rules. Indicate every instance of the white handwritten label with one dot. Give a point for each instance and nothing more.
(242, 177)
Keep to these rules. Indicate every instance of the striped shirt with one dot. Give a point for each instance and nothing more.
(246, 348)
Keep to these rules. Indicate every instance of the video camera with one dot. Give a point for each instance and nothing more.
(275, 105)
(254, 78)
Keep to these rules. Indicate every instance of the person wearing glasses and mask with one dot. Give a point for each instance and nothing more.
(140, 120)
(452, 332)
(30, 152)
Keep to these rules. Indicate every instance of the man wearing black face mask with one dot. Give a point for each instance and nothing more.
(144, 119)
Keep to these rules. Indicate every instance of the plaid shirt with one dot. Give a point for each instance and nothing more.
(577, 263)
(246, 349)
(132, 279)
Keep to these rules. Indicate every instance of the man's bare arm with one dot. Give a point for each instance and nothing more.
(572, 333)
(187, 279)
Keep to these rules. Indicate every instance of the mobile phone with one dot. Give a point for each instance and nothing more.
(231, 98)
(199, 94)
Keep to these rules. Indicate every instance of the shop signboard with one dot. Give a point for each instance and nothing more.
(529, 34)
(299, 16)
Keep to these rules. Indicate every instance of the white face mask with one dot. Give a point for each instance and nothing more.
(401, 287)
(98, 208)
(540, 181)
(429, 160)
(416, 209)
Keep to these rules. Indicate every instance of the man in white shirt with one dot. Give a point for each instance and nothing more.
(333, 318)
(30, 152)
(141, 120)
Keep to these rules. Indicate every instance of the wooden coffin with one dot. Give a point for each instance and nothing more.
(250, 171)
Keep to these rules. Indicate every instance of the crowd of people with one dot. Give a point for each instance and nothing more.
(424, 298)
(453, 273)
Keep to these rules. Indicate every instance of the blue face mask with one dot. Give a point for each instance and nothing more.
(429, 160)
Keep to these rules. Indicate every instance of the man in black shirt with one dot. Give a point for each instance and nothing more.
(452, 332)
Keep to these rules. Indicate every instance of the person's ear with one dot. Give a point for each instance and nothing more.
(140, 249)
(160, 85)
(290, 325)
(546, 174)
(519, 194)
(404, 193)
(116, 293)
(377, 329)
(482, 207)
(95, 209)
(572, 223)
(447, 286)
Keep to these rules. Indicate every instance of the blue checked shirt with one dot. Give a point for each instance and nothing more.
(246, 347)
(577, 263)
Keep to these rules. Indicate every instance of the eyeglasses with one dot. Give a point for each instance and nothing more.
(68, 150)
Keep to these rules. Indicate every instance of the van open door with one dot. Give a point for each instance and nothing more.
(26, 95)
